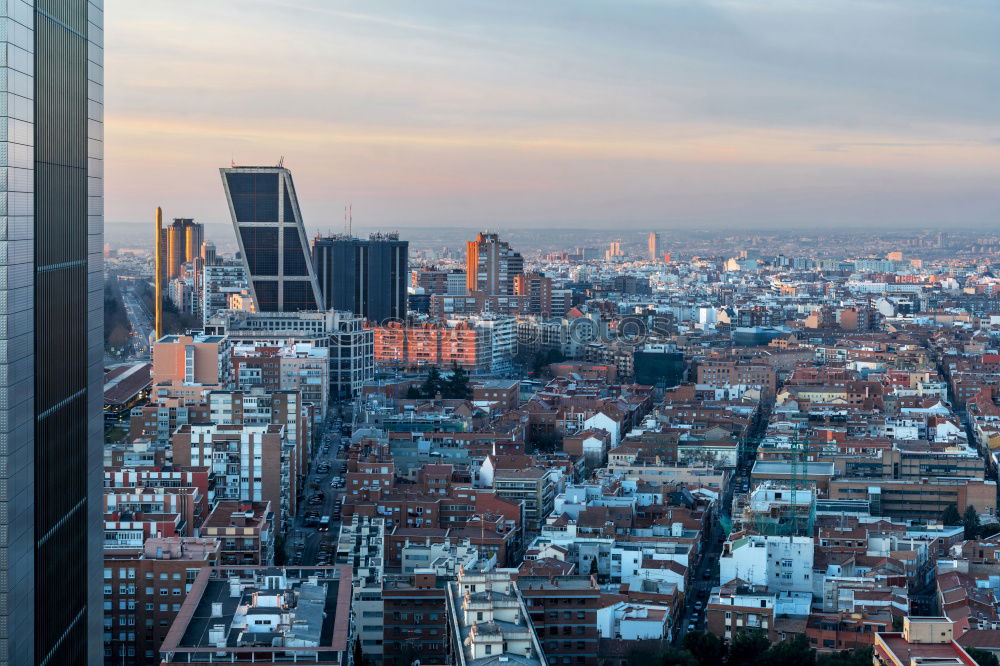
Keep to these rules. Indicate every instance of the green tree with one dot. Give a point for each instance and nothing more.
(651, 656)
(546, 441)
(279, 551)
(433, 384)
(359, 656)
(457, 385)
(748, 648)
(971, 522)
(859, 657)
(705, 647)
(983, 657)
(675, 657)
(412, 393)
(951, 516)
(795, 651)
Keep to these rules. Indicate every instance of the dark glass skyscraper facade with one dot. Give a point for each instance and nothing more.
(272, 238)
(51, 332)
(366, 277)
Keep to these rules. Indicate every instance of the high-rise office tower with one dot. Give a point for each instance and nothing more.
(208, 253)
(491, 265)
(272, 238)
(183, 244)
(51, 429)
(366, 277)
(614, 251)
(654, 246)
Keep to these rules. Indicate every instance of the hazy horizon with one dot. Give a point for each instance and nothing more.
(627, 115)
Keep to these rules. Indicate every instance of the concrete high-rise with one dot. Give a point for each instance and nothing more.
(272, 238)
(491, 265)
(366, 277)
(52, 350)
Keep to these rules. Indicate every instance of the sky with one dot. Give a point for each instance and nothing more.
(629, 114)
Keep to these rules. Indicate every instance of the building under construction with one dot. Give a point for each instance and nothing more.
(778, 509)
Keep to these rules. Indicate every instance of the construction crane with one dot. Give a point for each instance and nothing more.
(799, 455)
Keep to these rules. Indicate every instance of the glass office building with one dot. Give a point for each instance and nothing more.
(51, 332)
(366, 277)
(272, 238)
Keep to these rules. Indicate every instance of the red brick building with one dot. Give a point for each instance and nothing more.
(143, 591)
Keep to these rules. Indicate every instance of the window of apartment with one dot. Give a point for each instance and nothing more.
(107, 589)
(107, 574)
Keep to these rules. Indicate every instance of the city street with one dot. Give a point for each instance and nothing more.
(702, 580)
(311, 539)
(141, 321)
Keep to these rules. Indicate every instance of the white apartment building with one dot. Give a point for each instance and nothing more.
(779, 563)
(490, 623)
(362, 546)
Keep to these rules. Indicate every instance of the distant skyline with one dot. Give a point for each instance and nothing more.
(617, 114)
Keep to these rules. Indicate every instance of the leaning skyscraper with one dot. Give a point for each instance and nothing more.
(51, 329)
(272, 238)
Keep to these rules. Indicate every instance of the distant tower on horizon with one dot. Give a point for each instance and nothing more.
(272, 238)
(614, 250)
(491, 265)
(654, 246)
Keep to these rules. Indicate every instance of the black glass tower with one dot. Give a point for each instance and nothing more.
(272, 239)
(51, 333)
(366, 277)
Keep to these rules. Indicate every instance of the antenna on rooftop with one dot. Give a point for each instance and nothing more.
(281, 161)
